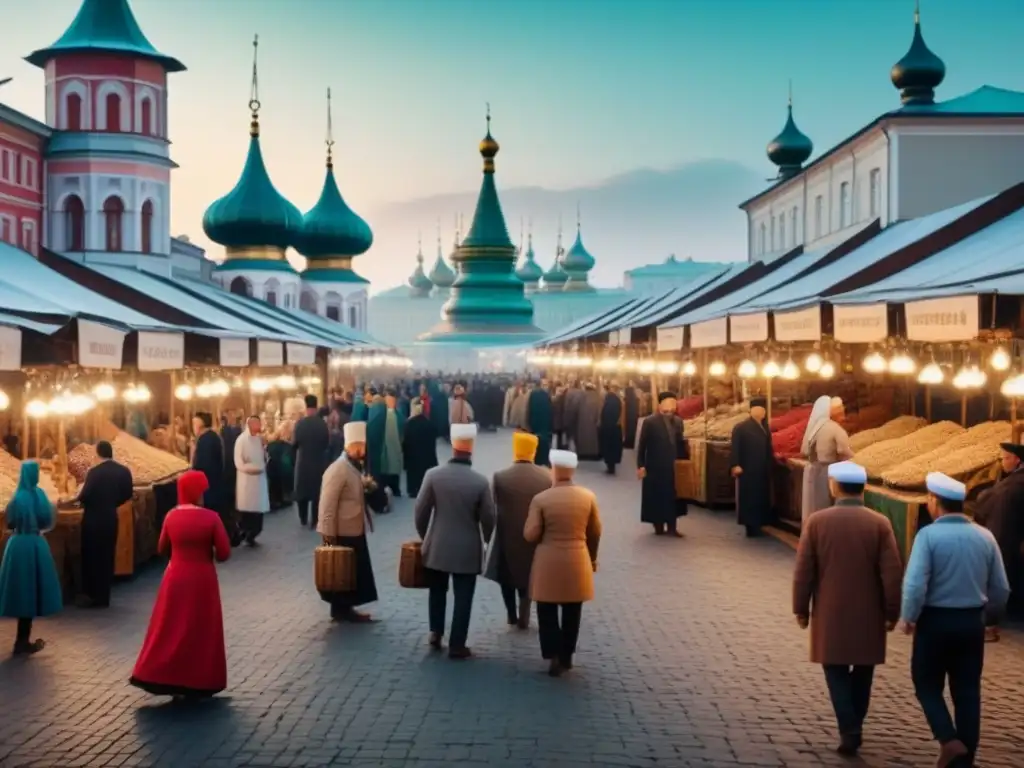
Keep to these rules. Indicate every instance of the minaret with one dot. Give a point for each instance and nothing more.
(791, 148)
(487, 305)
(331, 235)
(441, 275)
(529, 270)
(108, 162)
(920, 71)
(577, 262)
(555, 278)
(419, 283)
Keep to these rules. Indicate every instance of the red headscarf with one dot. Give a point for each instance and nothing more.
(191, 487)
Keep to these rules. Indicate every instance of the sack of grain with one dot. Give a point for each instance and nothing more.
(898, 427)
(879, 457)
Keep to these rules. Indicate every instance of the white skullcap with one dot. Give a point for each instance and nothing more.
(945, 487)
(836, 402)
(848, 472)
(563, 459)
(355, 432)
(463, 432)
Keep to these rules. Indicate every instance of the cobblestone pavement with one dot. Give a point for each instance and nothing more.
(688, 657)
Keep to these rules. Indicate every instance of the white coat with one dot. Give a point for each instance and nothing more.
(251, 491)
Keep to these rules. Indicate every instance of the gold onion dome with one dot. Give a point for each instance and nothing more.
(919, 72)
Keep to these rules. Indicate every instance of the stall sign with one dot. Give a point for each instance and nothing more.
(301, 354)
(861, 324)
(100, 346)
(670, 339)
(10, 349)
(269, 354)
(234, 353)
(953, 318)
(625, 336)
(711, 333)
(746, 329)
(800, 325)
(161, 351)
(613, 339)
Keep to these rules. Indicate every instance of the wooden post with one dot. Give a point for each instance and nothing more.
(928, 402)
(963, 410)
(704, 374)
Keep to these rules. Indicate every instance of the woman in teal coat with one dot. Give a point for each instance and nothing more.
(29, 586)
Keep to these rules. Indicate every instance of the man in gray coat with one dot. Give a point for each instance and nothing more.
(312, 444)
(455, 518)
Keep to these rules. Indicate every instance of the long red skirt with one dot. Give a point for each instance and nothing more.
(183, 654)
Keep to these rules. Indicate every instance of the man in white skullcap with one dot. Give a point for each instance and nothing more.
(955, 572)
(454, 511)
(564, 523)
(346, 497)
(847, 587)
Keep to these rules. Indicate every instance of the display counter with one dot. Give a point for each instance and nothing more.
(788, 491)
(720, 484)
(907, 511)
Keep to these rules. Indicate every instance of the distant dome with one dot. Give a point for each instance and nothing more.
(418, 281)
(577, 259)
(791, 148)
(441, 274)
(919, 72)
(530, 271)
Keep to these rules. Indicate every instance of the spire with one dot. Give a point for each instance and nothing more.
(254, 89)
(920, 71)
(791, 148)
(556, 277)
(329, 139)
(419, 283)
(529, 270)
(577, 261)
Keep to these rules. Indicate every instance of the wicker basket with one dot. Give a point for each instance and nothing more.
(334, 569)
(411, 574)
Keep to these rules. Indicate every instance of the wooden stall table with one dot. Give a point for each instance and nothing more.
(720, 484)
(903, 509)
(698, 455)
(788, 492)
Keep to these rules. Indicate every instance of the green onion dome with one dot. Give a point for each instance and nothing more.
(331, 228)
(418, 281)
(919, 72)
(577, 260)
(441, 274)
(555, 276)
(530, 271)
(791, 148)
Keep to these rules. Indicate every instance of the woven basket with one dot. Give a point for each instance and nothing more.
(334, 569)
(411, 574)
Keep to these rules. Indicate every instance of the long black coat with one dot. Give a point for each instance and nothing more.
(540, 421)
(752, 452)
(1001, 510)
(632, 414)
(312, 447)
(419, 450)
(609, 431)
(208, 458)
(661, 444)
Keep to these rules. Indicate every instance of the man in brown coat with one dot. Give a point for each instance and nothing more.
(564, 523)
(511, 556)
(849, 567)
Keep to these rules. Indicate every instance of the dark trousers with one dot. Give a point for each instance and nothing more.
(394, 482)
(509, 595)
(24, 636)
(558, 638)
(251, 525)
(309, 511)
(99, 547)
(561, 441)
(463, 586)
(849, 687)
(950, 643)
(670, 526)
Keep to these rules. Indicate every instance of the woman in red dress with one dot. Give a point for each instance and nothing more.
(183, 655)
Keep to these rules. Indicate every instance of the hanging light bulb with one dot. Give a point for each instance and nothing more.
(771, 370)
(204, 390)
(689, 368)
(183, 392)
(608, 364)
(260, 386)
(790, 371)
(5, 401)
(902, 364)
(647, 366)
(970, 377)
(668, 368)
(37, 409)
(1000, 360)
(875, 363)
(747, 369)
(717, 369)
(813, 362)
(1013, 386)
(104, 392)
(931, 374)
(221, 388)
(827, 370)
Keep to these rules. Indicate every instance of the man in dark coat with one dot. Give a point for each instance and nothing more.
(438, 408)
(609, 431)
(107, 486)
(419, 448)
(312, 444)
(229, 434)
(539, 420)
(1001, 510)
(632, 406)
(661, 444)
(208, 458)
(752, 467)
(558, 416)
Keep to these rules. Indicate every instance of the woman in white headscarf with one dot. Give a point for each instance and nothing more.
(825, 442)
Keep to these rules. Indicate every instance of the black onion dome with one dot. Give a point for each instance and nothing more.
(919, 72)
(791, 148)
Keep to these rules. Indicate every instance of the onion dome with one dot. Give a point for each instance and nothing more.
(577, 262)
(441, 275)
(556, 277)
(419, 283)
(105, 26)
(253, 220)
(919, 72)
(529, 270)
(791, 148)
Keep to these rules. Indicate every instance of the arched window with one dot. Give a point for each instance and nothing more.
(308, 302)
(74, 112)
(146, 222)
(353, 317)
(334, 313)
(241, 287)
(113, 223)
(113, 107)
(74, 223)
(272, 298)
(146, 118)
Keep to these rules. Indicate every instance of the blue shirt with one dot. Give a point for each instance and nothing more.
(953, 564)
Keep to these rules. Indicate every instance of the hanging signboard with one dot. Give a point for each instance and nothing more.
(861, 324)
(670, 339)
(711, 333)
(161, 351)
(800, 325)
(625, 336)
(953, 318)
(269, 354)
(234, 353)
(613, 339)
(10, 349)
(100, 346)
(747, 329)
(301, 354)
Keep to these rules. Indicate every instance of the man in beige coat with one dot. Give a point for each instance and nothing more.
(848, 566)
(454, 517)
(565, 524)
(511, 556)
